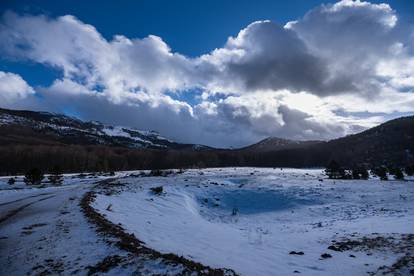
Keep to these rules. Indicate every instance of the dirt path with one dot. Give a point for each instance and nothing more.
(14, 212)
(23, 198)
(44, 232)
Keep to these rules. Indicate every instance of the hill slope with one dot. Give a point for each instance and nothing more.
(38, 139)
(391, 143)
(43, 128)
(275, 143)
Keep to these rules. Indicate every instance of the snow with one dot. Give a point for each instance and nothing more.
(68, 179)
(115, 131)
(118, 131)
(55, 122)
(249, 219)
(51, 227)
(48, 234)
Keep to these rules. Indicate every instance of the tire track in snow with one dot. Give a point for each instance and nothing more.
(24, 198)
(19, 209)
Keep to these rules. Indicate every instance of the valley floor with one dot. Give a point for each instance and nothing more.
(248, 220)
(43, 231)
(271, 221)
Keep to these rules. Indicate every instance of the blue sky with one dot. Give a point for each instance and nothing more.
(189, 27)
(212, 72)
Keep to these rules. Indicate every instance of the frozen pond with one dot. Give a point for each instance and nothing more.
(253, 201)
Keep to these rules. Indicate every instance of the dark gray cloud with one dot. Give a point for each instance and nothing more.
(267, 56)
(271, 80)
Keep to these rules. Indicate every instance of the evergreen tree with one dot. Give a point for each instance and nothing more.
(409, 170)
(33, 177)
(334, 170)
(11, 181)
(381, 172)
(56, 177)
(355, 173)
(398, 174)
(360, 173)
(364, 174)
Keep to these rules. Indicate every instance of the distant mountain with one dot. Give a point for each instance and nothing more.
(391, 143)
(275, 143)
(44, 128)
(39, 139)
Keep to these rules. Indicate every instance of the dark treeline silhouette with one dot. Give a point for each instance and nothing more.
(390, 144)
(76, 158)
(335, 171)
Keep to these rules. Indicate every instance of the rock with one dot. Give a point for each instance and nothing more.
(334, 248)
(326, 256)
(296, 253)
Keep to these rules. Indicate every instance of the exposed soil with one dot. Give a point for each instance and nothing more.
(106, 264)
(399, 244)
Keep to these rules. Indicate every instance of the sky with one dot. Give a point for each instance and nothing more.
(220, 73)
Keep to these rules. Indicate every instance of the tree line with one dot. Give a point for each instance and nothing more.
(335, 171)
(19, 159)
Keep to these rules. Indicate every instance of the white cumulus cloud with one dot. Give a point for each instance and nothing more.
(338, 69)
(13, 88)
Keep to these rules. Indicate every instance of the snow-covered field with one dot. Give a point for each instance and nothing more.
(44, 232)
(250, 219)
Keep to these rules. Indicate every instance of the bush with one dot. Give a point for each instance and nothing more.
(360, 173)
(397, 173)
(381, 172)
(11, 181)
(156, 173)
(55, 177)
(409, 170)
(157, 190)
(33, 177)
(334, 171)
(163, 173)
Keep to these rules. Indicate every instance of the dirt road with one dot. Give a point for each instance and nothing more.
(43, 231)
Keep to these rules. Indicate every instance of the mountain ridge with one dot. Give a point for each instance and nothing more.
(64, 129)
(39, 139)
(276, 143)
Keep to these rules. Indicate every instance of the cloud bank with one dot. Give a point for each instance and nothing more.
(340, 68)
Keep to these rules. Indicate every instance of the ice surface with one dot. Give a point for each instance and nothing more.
(252, 201)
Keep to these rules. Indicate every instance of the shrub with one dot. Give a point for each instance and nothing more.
(409, 170)
(33, 177)
(11, 181)
(55, 177)
(157, 190)
(381, 172)
(163, 173)
(156, 173)
(334, 170)
(397, 172)
(360, 173)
